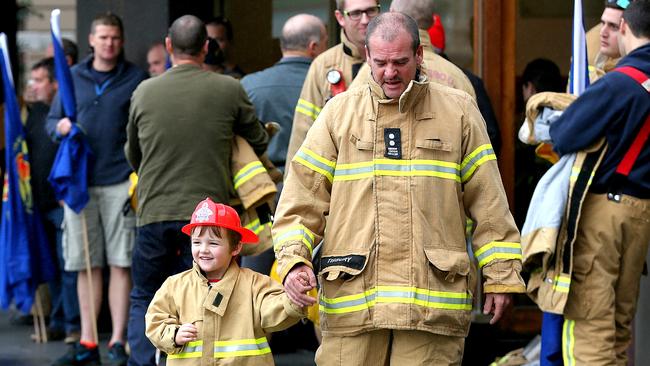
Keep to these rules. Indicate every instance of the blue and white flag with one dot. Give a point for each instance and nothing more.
(25, 256)
(579, 76)
(69, 174)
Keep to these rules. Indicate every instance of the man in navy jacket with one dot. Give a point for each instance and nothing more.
(103, 84)
(614, 227)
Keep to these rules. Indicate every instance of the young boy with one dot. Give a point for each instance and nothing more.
(216, 310)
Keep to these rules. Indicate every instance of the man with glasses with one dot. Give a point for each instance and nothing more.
(334, 69)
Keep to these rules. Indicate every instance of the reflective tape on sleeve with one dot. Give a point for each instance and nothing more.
(497, 250)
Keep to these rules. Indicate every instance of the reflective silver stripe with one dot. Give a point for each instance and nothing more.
(387, 167)
(241, 348)
(308, 109)
(475, 159)
(247, 173)
(298, 233)
(396, 294)
(315, 162)
(497, 250)
(192, 349)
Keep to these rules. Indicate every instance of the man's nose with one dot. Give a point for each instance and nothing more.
(365, 19)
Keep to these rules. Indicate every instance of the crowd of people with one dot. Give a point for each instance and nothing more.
(389, 154)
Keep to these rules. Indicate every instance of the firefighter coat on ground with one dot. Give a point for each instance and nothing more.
(316, 90)
(232, 317)
(437, 69)
(394, 253)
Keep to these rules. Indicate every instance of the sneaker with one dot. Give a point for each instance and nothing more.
(79, 355)
(117, 354)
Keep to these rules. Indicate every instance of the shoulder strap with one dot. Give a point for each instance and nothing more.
(625, 166)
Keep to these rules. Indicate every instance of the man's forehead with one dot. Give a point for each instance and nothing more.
(612, 15)
(358, 4)
(106, 29)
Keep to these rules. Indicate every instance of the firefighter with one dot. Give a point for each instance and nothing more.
(332, 72)
(386, 178)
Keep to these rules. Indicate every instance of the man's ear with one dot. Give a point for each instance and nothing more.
(168, 46)
(623, 28)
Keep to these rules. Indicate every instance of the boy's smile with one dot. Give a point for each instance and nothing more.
(211, 252)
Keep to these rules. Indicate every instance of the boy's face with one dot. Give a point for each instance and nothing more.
(212, 253)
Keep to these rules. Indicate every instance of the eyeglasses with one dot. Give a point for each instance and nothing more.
(356, 14)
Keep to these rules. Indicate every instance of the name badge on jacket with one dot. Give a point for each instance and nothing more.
(393, 143)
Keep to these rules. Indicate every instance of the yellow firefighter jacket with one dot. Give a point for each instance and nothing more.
(232, 317)
(255, 191)
(394, 253)
(437, 69)
(343, 57)
(550, 230)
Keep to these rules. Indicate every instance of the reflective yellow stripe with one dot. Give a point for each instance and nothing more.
(562, 283)
(308, 109)
(248, 172)
(397, 168)
(396, 294)
(255, 226)
(497, 250)
(475, 159)
(568, 342)
(241, 348)
(192, 349)
(575, 171)
(315, 162)
(294, 233)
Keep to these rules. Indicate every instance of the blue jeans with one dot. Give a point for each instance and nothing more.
(64, 315)
(161, 250)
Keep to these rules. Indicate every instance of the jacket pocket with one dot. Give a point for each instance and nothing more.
(437, 148)
(448, 264)
(344, 299)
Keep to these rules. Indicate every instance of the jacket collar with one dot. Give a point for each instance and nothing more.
(220, 292)
(409, 98)
(350, 49)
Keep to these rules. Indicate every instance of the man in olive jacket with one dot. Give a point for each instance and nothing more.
(180, 129)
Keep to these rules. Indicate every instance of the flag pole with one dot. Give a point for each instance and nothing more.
(89, 276)
(66, 90)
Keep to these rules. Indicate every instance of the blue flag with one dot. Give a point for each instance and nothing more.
(25, 256)
(69, 174)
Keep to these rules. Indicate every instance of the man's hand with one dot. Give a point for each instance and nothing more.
(64, 126)
(186, 333)
(298, 282)
(496, 304)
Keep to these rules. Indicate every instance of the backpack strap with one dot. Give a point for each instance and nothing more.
(625, 166)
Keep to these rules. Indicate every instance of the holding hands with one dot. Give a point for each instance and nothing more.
(298, 282)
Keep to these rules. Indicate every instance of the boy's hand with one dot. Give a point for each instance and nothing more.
(298, 282)
(186, 333)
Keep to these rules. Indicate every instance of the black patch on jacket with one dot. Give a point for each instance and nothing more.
(217, 300)
(393, 143)
(353, 261)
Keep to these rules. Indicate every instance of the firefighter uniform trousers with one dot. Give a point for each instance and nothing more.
(391, 347)
(610, 250)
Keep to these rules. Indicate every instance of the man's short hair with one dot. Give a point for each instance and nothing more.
(390, 24)
(109, 19)
(420, 10)
(71, 50)
(188, 35)
(617, 4)
(298, 36)
(637, 17)
(47, 64)
(225, 22)
(544, 74)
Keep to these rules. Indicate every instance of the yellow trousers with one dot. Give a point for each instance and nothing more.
(609, 252)
(390, 347)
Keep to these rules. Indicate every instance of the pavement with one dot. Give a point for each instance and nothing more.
(18, 349)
